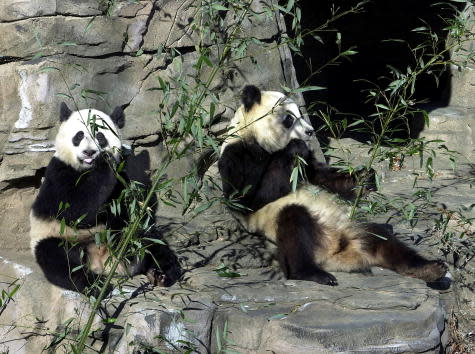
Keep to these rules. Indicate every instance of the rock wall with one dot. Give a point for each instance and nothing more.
(103, 54)
(455, 124)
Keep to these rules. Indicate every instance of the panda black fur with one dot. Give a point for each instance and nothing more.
(79, 177)
(310, 226)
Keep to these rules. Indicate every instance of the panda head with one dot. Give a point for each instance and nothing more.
(271, 118)
(86, 134)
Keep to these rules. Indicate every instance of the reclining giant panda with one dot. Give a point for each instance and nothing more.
(310, 226)
(73, 205)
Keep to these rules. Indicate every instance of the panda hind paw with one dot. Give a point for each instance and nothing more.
(318, 276)
(434, 270)
(325, 279)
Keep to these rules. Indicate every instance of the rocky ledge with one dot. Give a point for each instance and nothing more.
(256, 312)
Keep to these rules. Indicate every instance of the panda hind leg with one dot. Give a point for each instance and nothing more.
(59, 261)
(393, 254)
(297, 238)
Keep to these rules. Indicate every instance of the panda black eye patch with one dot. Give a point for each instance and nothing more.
(288, 121)
(77, 138)
(101, 139)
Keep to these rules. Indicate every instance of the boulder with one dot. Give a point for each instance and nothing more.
(256, 312)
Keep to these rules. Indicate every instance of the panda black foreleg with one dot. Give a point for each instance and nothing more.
(275, 182)
(336, 181)
(296, 242)
(58, 260)
(395, 255)
(241, 166)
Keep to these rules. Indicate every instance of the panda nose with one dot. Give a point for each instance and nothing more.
(89, 152)
(309, 132)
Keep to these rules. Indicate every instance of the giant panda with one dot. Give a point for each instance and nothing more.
(310, 226)
(73, 205)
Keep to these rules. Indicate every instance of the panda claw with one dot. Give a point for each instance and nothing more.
(326, 279)
(157, 277)
(320, 277)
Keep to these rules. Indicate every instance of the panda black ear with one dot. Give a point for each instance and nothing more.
(250, 96)
(64, 112)
(118, 117)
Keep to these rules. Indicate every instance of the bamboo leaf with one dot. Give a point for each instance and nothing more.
(426, 118)
(68, 44)
(294, 178)
(89, 25)
(64, 95)
(48, 69)
(279, 316)
(348, 52)
(62, 227)
(420, 29)
(219, 7)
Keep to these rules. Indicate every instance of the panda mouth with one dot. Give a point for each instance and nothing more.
(88, 161)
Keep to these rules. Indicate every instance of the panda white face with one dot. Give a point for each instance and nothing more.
(84, 135)
(273, 120)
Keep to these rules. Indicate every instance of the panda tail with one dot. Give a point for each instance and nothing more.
(65, 265)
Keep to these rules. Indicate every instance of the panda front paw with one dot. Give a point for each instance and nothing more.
(156, 277)
(297, 147)
(161, 278)
(105, 162)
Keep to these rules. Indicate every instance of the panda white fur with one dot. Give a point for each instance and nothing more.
(310, 226)
(81, 179)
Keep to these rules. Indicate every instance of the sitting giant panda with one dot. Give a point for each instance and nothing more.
(73, 205)
(310, 226)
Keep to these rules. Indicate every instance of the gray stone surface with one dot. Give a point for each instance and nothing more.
(380, 313)
(19, 10)
(260, 310)
(142, 319)
(436, 215)
(63, 48)
(462, 80)
(383, 312)
(455, 126)
(16, 203)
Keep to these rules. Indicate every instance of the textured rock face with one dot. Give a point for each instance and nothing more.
(455, 124)
(381, 313)
(255, 313)
(259, 311)
(462, 87)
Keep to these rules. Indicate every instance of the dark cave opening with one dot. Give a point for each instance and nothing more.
(367, 32)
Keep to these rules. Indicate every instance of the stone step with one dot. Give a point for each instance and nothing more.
(455, 125)
(135, 318)
(256, 312)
